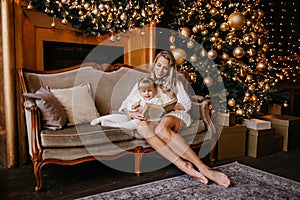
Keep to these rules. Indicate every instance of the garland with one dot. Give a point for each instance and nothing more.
(99, 17)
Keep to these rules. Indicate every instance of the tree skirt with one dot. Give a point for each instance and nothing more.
(247, 183)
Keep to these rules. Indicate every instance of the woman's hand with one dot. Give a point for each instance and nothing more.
(136, 115)
(178, 106)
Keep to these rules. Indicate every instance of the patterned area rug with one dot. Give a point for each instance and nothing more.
(247, 183)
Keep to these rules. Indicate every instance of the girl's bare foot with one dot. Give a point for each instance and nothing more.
(189, 170)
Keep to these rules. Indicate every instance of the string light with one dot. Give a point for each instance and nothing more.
(284, 44)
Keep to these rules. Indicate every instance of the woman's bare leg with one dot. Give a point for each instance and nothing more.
(178, 145)
(147, 131)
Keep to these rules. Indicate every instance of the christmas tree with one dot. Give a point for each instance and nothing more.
(225, 43)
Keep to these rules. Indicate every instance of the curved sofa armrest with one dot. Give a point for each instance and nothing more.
(204, 108)
(32, 117)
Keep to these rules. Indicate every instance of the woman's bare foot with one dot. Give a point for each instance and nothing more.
(189, 170)
(218, 177)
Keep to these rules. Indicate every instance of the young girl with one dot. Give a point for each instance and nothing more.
(147, 93)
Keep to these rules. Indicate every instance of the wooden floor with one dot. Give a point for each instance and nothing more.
(94, 177)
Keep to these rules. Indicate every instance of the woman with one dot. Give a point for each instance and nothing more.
(162, 136)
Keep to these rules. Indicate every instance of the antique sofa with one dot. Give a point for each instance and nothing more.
(81, 142)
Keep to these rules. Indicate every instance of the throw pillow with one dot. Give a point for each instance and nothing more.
(77, 103)
(53, 115)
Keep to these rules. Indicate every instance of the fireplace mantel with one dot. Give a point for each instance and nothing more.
(139, 49)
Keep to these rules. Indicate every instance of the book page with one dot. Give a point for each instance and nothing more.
(153, 112)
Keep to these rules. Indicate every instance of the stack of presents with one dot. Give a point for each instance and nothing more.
(256, 137)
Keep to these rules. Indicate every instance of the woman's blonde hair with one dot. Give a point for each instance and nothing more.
(168, 83)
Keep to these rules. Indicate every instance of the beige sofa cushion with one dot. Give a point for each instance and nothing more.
(84, 135)
(77, 103)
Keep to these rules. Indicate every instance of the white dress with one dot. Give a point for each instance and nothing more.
(182, 98)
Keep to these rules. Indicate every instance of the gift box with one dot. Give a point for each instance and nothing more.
(231, 142)
(257, 124)
(263, 142)
(225, 119)
(288, 127)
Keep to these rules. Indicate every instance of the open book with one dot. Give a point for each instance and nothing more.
(153, 112)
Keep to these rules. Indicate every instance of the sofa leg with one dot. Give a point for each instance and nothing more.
(138, 154)
(37, 169)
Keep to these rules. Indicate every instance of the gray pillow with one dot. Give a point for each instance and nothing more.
(52, 112)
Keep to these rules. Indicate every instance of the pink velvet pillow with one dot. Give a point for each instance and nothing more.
(53, 114)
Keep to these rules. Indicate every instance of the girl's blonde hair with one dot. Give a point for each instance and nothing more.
(146, 83)
(168, 83)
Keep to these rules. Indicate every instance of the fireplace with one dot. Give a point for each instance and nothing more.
(62, 54)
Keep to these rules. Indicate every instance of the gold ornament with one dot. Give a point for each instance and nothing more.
(193, 76)
(238, 52)
(242, 71)
(225, 56)
(213, 39)
(231, 38)
(240, 112)
(251, 52)
(285, 104)
(265, 47)
(260, 41)
(179, 55)
(203, 53)
(212, 24)
(254, 98)
(193, 58)
(195, 29)
(224, 26)
(208, 81)
(218, 3)
(267, 87)
(190, 44)
(53, 23)
(172, 46)
(260, 14)
(64, 21)
(219, 46)
(213, 11)
(201, 27)
(247, 39)
(29, 6)
(252, 88)
(261, 85)
(249, 78)
(204, 32)
(231, 102)
(236, 20)
(261, 66)
(185, 31)
(254, 36)
(212, 54)
(172, 39)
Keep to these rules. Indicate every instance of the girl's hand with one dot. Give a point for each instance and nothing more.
(136, 115)
(136, 105)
